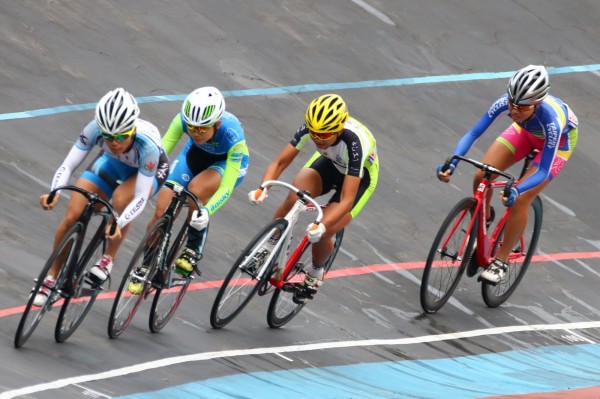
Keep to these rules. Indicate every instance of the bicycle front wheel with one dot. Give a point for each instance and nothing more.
(282, 308)
(32, 315)
(83, 291)
(137, 280)
(518, 263)
(448, 256)
(241, 283)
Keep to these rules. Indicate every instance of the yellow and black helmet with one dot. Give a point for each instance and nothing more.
(326, 114)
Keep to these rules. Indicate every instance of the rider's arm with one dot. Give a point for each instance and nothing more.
(71, 162)
(77, 154)
(235, 156)
(143, 185)
(172, 136)
(499, 107)
(279, 164)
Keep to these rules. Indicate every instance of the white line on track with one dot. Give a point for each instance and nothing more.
(291, 349)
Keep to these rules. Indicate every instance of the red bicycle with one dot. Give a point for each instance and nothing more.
(280, 271)
(463, 243)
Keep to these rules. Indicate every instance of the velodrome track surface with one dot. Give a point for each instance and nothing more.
(418, 74)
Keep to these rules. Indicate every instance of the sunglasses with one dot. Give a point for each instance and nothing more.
(198, 129)
(321, 136)
(119, 137)
(520, 108)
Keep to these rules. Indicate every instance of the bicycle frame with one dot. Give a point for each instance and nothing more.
(305, 203)
(179, 199)
(83, 220)
(487, 243)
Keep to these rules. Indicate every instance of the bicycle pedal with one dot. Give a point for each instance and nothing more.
(289, 287)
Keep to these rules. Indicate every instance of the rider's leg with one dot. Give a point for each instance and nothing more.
(517, 220)
(204, 185)
(162, 202)
(322, 250)
(499, 156)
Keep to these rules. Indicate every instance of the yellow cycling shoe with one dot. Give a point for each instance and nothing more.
(135, 287)
(186, 262)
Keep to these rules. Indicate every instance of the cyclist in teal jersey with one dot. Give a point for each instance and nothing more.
(213, 162)
(345, 161)
(540, 122)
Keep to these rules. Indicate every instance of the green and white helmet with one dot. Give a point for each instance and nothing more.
(203, 107)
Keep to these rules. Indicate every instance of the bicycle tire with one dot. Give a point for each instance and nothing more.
(83, 291)
(282, 308)
(31, 318)
(445, 266)
(240, 285)
(126, 304)
(167, 300)
(496, 295)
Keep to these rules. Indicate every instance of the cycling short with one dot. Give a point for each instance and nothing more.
(108, 173)
(332, 179)
(193, 160)
(521, 142)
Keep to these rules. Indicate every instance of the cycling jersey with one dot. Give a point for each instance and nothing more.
(143, 158)
(354, 149)
(553, 123)
(226, 152)
(354, 153)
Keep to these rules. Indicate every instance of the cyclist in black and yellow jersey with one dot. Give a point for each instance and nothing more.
(345, 161)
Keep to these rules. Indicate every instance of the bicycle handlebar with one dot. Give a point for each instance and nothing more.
(91, 197)
(483, 166)
(180, 189)
(303, 195)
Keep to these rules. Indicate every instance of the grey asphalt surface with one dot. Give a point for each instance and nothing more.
(61, 53)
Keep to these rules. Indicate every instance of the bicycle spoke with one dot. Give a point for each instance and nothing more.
(448, 257)
(495, 295)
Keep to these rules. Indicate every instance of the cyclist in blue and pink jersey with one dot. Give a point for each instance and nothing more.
(541, 122)
(213, 162)
(130, 169)
(346, 161)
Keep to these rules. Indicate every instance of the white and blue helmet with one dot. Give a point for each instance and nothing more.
(529, 86)
(117, 111)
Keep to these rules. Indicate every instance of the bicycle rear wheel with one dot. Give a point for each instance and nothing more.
(495, 295)
(167, 299)
(83, 290)
(32, 315)
(241, 283)
(448, 257)
(145, 257)
(282, 308)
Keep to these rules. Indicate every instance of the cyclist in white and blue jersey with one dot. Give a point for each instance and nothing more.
(130, 169)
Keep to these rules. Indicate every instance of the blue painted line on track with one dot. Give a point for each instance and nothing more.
(536, 370)
(306, 88)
